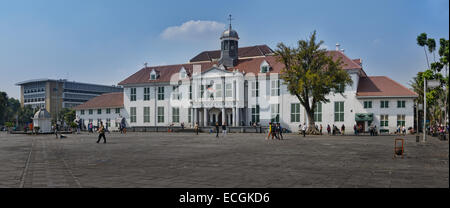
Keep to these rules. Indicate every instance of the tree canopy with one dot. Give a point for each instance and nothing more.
(311, 74)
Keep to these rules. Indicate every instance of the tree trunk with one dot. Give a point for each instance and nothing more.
(426, 55)
(311, 124)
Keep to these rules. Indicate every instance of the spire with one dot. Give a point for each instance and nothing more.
(229, 18)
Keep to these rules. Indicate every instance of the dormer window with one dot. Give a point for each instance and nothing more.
(182, 73)
(153, 75)
(265, 67)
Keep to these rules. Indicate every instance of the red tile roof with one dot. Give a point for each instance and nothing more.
(244, 64)
(251, 51)
(382, 86)
(107, 100)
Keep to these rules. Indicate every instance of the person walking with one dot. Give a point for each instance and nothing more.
(304, 130)
(343, 129)
(275, 130)
(328, 129)
(224, 129)
(280, 130)
(196, 128)
(101, 131)
(355, 130)
(269, 130)
(217, 129)
(320, 129)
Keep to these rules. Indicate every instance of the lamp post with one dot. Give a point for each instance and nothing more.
(424, 108)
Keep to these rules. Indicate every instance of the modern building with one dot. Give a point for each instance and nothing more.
(55, 95)
(238, 86)
(107, 108)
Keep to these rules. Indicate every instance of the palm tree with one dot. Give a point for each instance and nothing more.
(422, 41)
(431, 43)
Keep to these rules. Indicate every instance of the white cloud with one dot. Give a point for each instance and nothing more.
(194, 30)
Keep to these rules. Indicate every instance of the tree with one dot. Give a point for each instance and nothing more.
(25, 115)
(436, 97)
(3, 106)
(431, 43)
(422, 41)
(69, 116)
(311, 74)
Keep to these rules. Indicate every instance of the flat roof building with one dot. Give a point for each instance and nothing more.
(55, 95)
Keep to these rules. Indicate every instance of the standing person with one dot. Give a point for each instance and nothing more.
(196, 127)
(328, 129)
(269, 130)
(101, 131)
(56, 130)
(280, 130)
(224, 129)
(355, 130)
(404, 130)
(320, 129)
(274, 130)
(217, 129)
(343, 129)
(334, 130)
(304, 130)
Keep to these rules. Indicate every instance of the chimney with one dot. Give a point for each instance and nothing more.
(337, 46)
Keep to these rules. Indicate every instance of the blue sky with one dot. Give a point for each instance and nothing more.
(105, 41)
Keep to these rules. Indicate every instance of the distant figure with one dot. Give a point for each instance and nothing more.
(217, 129)
(224, 129)
(182, 125)
(355, 130)
(343, 129)
(320, 129)
(280, 130)
(269, 130)
(196, 127)
(304, 130)
(328, 129)
(274, 130)
(101, 131)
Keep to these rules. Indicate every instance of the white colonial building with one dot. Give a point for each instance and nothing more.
(107, 108)
(238, 86)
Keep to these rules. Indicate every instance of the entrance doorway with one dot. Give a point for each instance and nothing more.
(361, 123)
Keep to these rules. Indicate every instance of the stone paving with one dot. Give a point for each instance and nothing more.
(238, 160)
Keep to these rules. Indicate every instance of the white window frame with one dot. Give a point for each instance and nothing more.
(295, 112)
(146, 113)
(175, 114)
(275, 87)
(228, 90)
(255, 89)
(132, 114)
(160, 114)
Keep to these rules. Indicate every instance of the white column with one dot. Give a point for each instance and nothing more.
(223, 115)
(192, 117)
(195, 115)
(237, 116)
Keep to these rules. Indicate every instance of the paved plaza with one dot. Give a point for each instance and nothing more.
(239, 160)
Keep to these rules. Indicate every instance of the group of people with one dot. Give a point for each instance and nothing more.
(401, 130)
(275, 130)
(438, 129)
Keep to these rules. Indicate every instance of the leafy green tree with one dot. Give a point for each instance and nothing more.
(26, 114)
(311, 74)
(69, 116)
